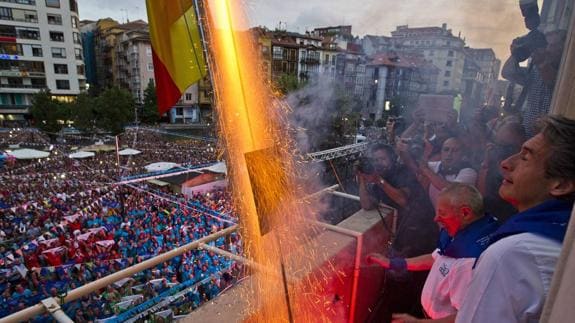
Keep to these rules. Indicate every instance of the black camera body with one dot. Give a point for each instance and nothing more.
(365, 165)
(416, 146)
(525, 45)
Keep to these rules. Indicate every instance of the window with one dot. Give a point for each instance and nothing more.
(54, 19)
(38, 83)
(76, 38)
(73, 6)
(188, 96)
(57, 36)
(28, 33)
(5, 13)
(450, 53)
(447, 73)
(449, 63)
(80, 69)
(149, 51)
(53, 3)
(179, 111)
(58, 52)
(60, 68)
(62, 84)
(265, 50)
(10, 49)
(445, 83)
(78, 53)
(74, 22)
(277, 52)
(37, 50)
(150, 66)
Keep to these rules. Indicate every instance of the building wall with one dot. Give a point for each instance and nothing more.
(19, 79)
(440, 47)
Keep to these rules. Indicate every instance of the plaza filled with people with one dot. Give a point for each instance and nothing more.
(66, 222)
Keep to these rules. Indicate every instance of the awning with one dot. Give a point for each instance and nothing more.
(157, 182)
(29, 154)
(82, 154)
(129, 152)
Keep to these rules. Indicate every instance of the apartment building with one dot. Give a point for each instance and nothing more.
(40, 48)
(440, 47)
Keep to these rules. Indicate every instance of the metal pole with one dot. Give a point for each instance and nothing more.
(51, 304)
(82, 291)
(341, 194)
(357, 262)
(232, 256)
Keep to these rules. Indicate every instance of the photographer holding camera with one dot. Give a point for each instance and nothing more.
(538, 79)
(383, 180)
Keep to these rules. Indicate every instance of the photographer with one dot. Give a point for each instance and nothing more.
(538, 79)
(380, 180)
(433, 176)
(383, 180)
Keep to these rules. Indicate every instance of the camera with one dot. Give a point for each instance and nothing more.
(365, 165)
(524, 46)
(416, 146)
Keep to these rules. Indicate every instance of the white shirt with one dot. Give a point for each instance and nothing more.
(465, 175)
(511, 280)
(446, 285)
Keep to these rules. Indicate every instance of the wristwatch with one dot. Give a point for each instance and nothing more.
(381, 181)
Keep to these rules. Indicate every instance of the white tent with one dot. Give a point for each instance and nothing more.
(82, 154)
(161, 166)
(29, 154)
(129, 152)
(217, 168)
(99, 148)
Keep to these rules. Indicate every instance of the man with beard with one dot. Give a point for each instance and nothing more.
(383, 180)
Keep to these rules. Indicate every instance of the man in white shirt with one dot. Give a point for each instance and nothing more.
(465, 234)
(512, 277)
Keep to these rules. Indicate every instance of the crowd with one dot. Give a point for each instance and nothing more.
(65, 222)
(61, 252)
(518, 162)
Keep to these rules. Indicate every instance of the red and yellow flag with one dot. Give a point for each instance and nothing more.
(176, 49)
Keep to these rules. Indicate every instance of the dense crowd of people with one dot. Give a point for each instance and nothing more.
(65, 222)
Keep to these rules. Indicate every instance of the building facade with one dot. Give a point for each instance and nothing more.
(40, 48)
(440, 47)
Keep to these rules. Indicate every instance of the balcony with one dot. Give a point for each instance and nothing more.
(22, 86)
(27, 2)
(310, 61)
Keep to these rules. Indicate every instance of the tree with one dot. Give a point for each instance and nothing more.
(287, 83)
(114, 109)
(47, 112)
(150, 113)
(83, 113)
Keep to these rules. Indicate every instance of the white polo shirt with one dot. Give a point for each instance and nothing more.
(465, 175)
(446, 285)
(511, 280)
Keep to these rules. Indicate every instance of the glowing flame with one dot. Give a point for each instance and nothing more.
(261, 166)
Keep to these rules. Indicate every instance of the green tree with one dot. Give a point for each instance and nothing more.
(48, 113)
(287, 83)
(114, 109)
(150, 113)
(83, 113)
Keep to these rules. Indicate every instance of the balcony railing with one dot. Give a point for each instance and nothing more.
(23, 86)
(28, 2)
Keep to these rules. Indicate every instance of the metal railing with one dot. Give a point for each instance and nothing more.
(82, 291)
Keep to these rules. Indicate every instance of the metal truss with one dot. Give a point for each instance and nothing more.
(337, 152)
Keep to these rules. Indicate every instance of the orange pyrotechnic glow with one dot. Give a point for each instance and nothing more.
(261, 166)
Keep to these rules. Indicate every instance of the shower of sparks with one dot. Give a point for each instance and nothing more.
(266, 181)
